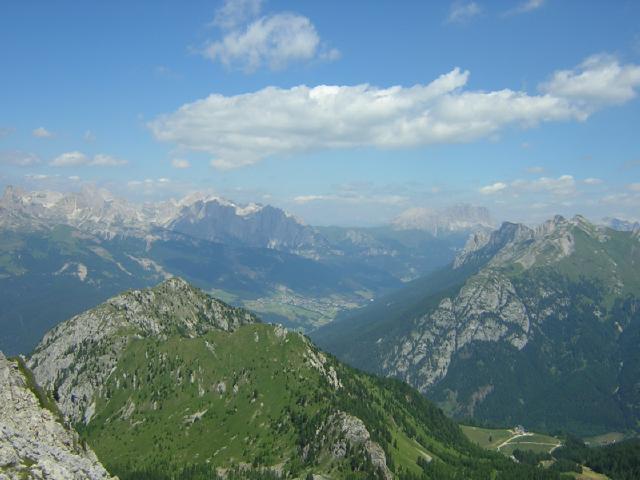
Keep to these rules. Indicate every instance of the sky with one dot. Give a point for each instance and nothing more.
(343, 113)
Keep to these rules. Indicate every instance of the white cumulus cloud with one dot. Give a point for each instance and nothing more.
(563, 185)
(236, 12)
(313, 198)
(250, 41)
(102, 160)
(42, 132)
(350, 198)
(593, 181)
(493, 188)
(273, 41)
(598, 81)
(244, 129)
(70, 159)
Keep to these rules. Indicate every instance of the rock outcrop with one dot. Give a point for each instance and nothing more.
(34, 444)
(346, 431)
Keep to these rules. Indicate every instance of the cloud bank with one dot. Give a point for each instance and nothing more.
(18, 158)
(77, 159)
(244, 129)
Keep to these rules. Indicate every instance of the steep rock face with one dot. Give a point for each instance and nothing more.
(516, 244)
(482, 247)
(75, 358)
(486, 309)
(91, 209)
(33, 443)
(253, 225)
(99, 212)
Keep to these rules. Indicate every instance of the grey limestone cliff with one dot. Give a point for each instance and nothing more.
(34, 444)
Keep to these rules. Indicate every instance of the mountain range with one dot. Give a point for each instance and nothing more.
(61, 253)
(537, 326)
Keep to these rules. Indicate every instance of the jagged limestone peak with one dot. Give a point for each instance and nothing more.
(482, 247)
(512, 243)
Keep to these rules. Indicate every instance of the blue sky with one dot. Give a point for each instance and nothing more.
(340, 112)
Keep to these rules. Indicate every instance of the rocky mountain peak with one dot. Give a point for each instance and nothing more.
(76, 356)
(254, 225)
(11, 193)
(454, 218)
(482, 246)
(514, 242)
(621, 224)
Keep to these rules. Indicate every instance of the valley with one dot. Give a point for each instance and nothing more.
(54, 245)
(158, 379)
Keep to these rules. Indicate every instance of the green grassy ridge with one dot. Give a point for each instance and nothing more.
(283, 395)
(280, 404)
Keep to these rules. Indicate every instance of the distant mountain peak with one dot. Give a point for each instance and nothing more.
(623, 225)
(253, 224)
(454, 218)
(514, 242)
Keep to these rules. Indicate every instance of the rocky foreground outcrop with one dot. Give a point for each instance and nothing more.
(33, 442)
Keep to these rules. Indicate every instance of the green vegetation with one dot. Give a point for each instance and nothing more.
(508, 441)
(266, 402)
(604, 439)
(619, 461)
(489, 438)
